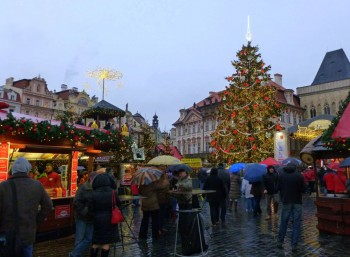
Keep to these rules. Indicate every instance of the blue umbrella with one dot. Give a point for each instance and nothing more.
(291, 160)
(345, 163)
(177, 167)
(236, 167)
(253, 172)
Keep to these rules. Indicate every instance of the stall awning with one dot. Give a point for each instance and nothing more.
(342, 129)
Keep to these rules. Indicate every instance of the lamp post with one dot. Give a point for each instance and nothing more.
(104, 74)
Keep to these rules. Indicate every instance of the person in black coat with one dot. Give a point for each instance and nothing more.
(270, 185)
(104, 232)
(257, 191)
(213, 182)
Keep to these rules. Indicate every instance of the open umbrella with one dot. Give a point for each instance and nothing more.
(146, 175)
(177, 167)
(291, 160)
(164, 160)
(270, 161)
(345, 163)
(253, 172)
(236, 167)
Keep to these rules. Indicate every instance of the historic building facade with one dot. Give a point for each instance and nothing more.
(191, 132)
(32, 97)
(329, 88)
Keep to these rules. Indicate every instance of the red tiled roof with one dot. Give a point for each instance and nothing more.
(64, 95)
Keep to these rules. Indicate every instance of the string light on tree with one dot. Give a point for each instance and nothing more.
(102, 74)
(247, 115)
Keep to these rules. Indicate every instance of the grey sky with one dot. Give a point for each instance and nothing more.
(171, 52)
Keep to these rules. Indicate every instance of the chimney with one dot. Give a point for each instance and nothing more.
(9, 81)
(75, 89)
(64, 87)
(278, 79)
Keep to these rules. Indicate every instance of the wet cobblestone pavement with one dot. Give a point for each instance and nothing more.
(241, 235)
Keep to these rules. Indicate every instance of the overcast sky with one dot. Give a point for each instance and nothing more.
(172, 53)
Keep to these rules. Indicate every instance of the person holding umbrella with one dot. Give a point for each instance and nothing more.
(253, 173)
(147, 179)
(270, 185)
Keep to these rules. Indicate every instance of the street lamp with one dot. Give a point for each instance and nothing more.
(104, 74)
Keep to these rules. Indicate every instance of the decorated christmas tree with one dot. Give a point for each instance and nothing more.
(248, 113)
(148, 142)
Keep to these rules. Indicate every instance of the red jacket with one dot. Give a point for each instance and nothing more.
(339, 182)
(329, 180)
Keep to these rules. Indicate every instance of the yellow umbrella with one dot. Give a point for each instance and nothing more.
(164, 160)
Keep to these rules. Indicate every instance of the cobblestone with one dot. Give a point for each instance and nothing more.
(241, 235)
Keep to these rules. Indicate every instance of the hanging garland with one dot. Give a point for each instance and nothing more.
(340, 143)
(45, 132)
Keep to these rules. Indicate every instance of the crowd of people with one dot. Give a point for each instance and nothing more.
(160, 200)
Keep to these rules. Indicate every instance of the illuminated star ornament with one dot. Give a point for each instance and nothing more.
(102, 74)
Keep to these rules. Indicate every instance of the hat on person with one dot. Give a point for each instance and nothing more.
(101, 170)
(21, 165)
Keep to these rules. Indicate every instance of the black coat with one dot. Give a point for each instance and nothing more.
(30, 195)
(291, 184)
(270, 183)
(83, 202)
(104, 231)
(213, 182)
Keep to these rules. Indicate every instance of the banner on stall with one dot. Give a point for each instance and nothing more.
(193, 162)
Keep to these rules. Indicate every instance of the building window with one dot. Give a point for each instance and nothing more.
(312, 112)
(189, 148)
(282, 117)
(36, 114)
(37, 102)
(198, 147)
(207, 147)
(286, 117)
(340, 104)
(327, 110)
(12, 97)
(27, 112)
(28, 100)
(333, 109)
(193, 148)
(207, 125)
(82, 102)
(0, 95)
(38, 88)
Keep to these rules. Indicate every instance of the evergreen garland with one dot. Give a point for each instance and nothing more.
(339, 143)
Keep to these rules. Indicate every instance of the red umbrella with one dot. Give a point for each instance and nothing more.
(270, 161)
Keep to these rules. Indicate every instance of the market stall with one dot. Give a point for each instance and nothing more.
(333, 210)
(44, 141)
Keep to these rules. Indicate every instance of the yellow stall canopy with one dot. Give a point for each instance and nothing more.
(193, 162)
(40, 156)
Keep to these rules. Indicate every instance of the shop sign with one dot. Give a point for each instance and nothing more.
(4, 160)
(281, 146)
(62, 211)
(193, 162)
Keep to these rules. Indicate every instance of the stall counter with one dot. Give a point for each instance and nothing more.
(333, 214)
(60, 221)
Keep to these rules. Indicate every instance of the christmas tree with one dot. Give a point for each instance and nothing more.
(148, 142)
(248, 113)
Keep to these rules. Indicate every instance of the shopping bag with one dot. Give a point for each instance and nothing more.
(117, 215)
